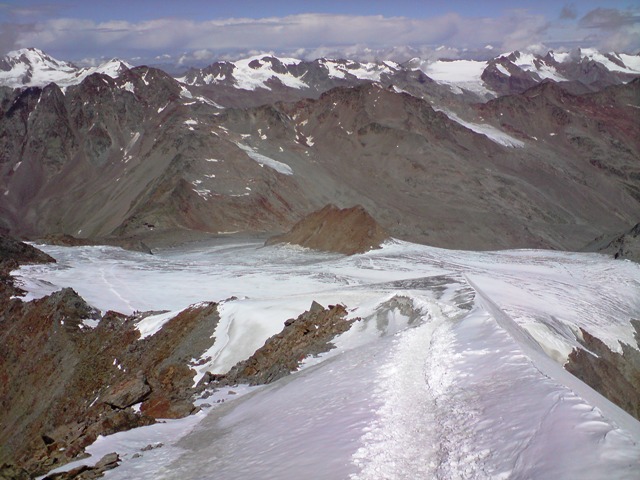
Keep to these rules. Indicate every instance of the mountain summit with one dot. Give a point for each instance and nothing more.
(31, 67)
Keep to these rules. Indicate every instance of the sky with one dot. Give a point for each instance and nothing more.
(198, 32)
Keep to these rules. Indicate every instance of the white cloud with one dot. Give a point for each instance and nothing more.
(310, 35)
(307, 31)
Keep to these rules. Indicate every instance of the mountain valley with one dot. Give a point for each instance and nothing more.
(132, 152)
(273, 266)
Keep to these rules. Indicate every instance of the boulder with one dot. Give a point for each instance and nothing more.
(85, 472)
(127, 393)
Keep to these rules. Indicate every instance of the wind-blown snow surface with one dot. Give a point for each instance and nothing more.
(454, 371)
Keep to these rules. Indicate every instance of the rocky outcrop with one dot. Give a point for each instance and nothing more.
(623, 246)
(614, 375)
(310, 333)
(19, 252)
(11, 472)
(69, 374)
(86, 472)
(331, 229)
(13, 253)
(66, 240)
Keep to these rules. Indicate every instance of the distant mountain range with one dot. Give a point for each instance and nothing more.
(519, 151)
(509, 73)
(30, 67)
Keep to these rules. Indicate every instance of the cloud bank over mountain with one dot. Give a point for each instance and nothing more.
(309, 35)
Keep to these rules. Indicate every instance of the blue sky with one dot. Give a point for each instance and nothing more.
(199, 31)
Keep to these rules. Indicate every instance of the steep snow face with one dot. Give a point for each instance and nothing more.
(533, 63)
(453, 371)
(458, 74)
(625, 63)
(362, 71)
(614, 62)
(254, 72)
(31, 67)
(112, 68)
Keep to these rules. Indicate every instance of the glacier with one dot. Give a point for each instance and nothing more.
(454, 370)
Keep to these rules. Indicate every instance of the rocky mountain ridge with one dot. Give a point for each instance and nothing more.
(142, 155)
(106, 373)
(267, 77)
(100, 374)
(512, 72)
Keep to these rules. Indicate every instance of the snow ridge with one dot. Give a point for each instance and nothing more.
(396, 444)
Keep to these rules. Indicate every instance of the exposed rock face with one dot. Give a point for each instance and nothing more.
(13, 253)
(12, 250)
(308, 334)
(11, 472)
(139, 155)
(623, 246)
(63, 381)
(614, 375)
(628, 244)
(66, 240)
(349, 231)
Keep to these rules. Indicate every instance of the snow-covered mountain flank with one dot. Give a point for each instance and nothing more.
(409, 362)
(415, 312)
(30, 67)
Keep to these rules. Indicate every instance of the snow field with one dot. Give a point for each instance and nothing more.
(268, 161)
(454, 371)
(494, 134)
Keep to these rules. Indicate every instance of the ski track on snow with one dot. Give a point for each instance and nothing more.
(398, 443)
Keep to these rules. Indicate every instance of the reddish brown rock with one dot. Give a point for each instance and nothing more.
(311, 333)
(62, 383)
(614, 375)
(331, 229)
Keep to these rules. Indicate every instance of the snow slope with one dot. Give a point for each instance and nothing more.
(458, 75)
(250, 78)
(494, 134)
(30, 67)
(454, 371)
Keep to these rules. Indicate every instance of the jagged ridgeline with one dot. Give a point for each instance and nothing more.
(519, 151)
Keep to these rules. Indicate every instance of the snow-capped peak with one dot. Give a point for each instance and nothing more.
(253, 72)
(36, 57)
(31, 67)
(614, 62)
(112, 68)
